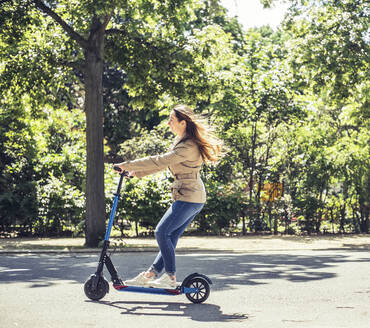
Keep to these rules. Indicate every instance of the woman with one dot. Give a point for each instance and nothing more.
(194, 144)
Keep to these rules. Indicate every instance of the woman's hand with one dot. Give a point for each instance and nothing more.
(122, 167)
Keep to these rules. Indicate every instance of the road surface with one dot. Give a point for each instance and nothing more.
(300, 288)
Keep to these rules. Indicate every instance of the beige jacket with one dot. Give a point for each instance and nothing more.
(184, 161)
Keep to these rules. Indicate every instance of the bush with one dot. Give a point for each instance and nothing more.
(18, 155)
(42, 169)
(223, 208)
(143, 201)
(61, 208)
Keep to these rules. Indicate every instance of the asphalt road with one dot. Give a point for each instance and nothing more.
(307, 288)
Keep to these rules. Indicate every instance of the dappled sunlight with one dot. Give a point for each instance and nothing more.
(225, 270)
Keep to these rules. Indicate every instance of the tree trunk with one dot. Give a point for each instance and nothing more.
(364, 213)
(93, 76)
(276, 225)
(268, 205)
(342, 210)
(244, 229)
(95, 196)
(251, 175)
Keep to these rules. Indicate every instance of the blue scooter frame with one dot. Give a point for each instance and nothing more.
(196, 286)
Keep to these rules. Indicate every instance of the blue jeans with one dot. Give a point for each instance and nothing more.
(168, 232)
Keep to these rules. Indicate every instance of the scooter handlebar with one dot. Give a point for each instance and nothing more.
(124, 173)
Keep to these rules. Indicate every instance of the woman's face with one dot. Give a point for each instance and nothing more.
(177, 127)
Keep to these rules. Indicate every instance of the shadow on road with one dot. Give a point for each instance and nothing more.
(197, 312)
(227, 271)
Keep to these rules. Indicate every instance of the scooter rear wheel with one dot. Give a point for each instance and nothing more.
(102, 288)
(203, 288)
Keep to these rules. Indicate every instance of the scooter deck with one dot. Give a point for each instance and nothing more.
(159, 291)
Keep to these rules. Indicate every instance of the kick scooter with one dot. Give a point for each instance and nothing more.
(196, 286)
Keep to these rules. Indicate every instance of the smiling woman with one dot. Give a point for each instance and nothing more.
(176, 126)
(194, 144)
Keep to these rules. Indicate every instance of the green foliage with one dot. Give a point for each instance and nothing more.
(42, 168)
(222, 212)
(331, 45)
(61, 208)
(61, 171)
(18, 200)
(142, 203)
(155, 141)
(29, 56)
(291, 106)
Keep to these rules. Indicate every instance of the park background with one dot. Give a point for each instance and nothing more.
(290, 102)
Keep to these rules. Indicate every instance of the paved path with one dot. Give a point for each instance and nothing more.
(285, 288)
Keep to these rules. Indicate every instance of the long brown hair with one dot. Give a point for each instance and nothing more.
(199, 131)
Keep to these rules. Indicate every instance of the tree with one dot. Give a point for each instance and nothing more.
(330, 45)
(146, 39)
(329, 56)
(257, 98)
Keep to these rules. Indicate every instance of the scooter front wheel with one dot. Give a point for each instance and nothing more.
(203, 289)
(101, 289)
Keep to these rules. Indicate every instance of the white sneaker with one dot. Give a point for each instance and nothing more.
(163, 282)
(139, 280)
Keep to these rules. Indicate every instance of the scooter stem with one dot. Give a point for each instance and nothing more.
(115, 203)
(103, 254)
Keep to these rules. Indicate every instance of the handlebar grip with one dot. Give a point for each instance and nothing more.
(124, 173)
(117, 168)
